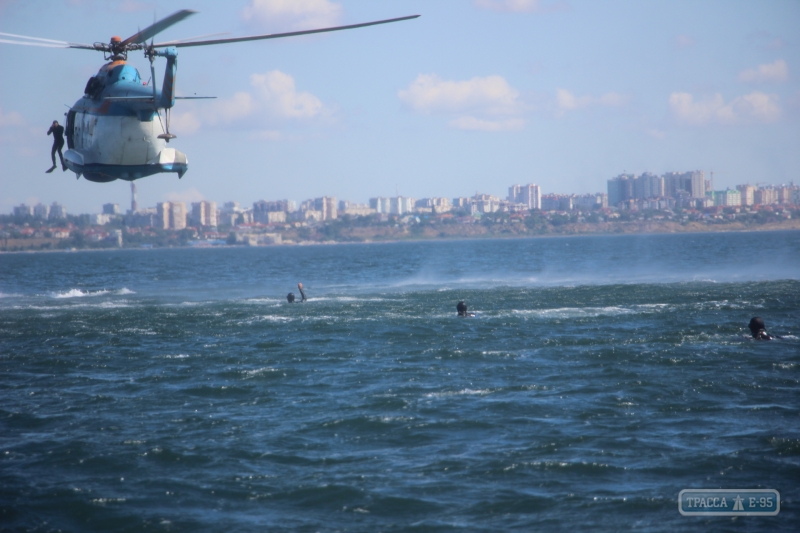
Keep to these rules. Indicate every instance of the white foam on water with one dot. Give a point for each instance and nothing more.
(77, 293)
(462, 392)
(259, 371)
(113, 305)
(262, 318)
(577, 312)
(138, 331)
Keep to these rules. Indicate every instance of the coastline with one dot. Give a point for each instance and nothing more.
(455, 232)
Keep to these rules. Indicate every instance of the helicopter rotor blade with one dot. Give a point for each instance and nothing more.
(188, 39)
(44, 45)
(27, 40)
(279, 35)
(157, 27)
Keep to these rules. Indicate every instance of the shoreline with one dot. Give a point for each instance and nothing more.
(481, 233)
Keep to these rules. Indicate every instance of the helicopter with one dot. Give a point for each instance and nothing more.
(115, 130)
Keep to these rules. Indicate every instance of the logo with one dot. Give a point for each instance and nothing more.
(729, 502)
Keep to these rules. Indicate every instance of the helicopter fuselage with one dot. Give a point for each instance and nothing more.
(113, 130)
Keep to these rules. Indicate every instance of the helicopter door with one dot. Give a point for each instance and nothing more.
(70, 129)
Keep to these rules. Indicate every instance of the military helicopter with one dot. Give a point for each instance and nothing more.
(115, 131)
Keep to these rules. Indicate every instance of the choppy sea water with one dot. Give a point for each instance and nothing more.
(177, 390)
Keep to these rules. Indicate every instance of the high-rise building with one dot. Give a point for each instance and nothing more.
(57, 211)
(765, 196)
(696, 183)
(461, 202)
(162, 215)
(590, 201)
(530, 195)
(748, 194)
(436, 205)
(177, 215)
(111, 209)
(23, 210)
(400, 205)
(620, 189)
(41, 211)
(648, 185)
(693, 183)
(784, 194)
(327, 206)
(204, 213)
(380, 204)
(727, 198)
(557, 202)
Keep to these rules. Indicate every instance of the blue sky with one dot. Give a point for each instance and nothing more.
(474, 96)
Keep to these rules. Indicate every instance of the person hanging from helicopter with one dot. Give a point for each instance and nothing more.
(58, 143)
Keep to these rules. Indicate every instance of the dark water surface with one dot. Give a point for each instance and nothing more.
(176, 390)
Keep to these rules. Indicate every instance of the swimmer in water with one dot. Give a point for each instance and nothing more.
(461, 307)
(290, 296)
(758, 329)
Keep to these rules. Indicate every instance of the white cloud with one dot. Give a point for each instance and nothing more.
(11, 118)
(184, 123)
(187, 196)
(684, 41)
(273, 101)
(491, 95)
(753, 107)
(484, 104)
(285, 15)
(277, 93)
(520, 6)
(776, 72)
(132, 6)
(566, 101)
(476, 124)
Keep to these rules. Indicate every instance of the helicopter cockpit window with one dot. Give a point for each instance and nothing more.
(93, 87)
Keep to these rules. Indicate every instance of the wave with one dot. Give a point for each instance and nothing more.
(78, 293)
(5, 295)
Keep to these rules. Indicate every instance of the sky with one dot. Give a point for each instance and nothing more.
(472, 97)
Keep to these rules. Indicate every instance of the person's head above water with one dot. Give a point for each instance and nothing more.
(758, 329)
(461, 307)
(290, 297)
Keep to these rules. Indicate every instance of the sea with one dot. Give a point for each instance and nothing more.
(177, 390)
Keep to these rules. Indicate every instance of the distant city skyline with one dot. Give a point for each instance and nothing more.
(625, 191)
(472, 96)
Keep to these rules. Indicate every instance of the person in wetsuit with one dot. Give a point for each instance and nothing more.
(461, 307)
(290, 296)
(58, 143)
(758, 329)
